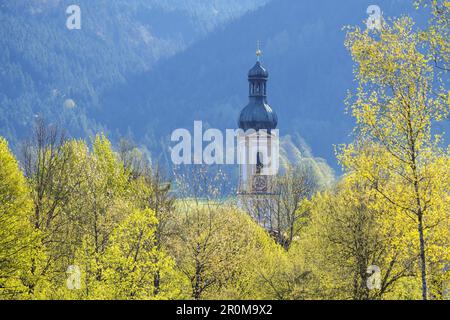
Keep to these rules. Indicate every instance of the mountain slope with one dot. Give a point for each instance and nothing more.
(43, 64)
(143, 68)
(310, 73)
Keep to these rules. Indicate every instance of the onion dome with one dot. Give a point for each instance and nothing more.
(258, 114)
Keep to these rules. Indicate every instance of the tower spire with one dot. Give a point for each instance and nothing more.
(258, 51)
(258, 114)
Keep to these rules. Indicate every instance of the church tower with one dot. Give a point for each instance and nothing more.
(258, 151)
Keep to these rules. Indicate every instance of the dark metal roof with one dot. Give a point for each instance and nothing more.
(258, 114)
(258, 71)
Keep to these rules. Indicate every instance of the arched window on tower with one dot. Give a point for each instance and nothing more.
(259, 164)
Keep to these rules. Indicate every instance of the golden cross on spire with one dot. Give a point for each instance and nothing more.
(258, 50)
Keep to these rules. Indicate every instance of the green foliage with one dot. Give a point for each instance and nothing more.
(115, 218)
(349, 232)
(130, 239)
(16, 234)
(126, 268)
(400, 96)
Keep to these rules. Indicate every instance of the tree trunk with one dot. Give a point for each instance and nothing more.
(422, 259)
(196, 288)
(420, 213)
(156, 283)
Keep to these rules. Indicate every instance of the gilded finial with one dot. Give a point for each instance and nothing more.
(258, 51)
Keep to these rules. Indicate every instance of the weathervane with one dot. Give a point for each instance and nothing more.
(258, 50)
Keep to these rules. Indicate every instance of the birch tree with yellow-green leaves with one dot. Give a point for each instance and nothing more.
(16, 234)
(399, 97)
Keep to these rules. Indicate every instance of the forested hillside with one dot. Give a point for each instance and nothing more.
(309, 75)
(144, 68)
(43, 64)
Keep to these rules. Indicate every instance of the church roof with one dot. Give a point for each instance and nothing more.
(258, 71)
(258, 114)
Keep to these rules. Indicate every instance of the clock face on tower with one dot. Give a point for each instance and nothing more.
(259, 183)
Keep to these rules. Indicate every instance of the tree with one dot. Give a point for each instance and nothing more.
(46, 164)
(348, 237)
(279, 274)
(133, 158)
(294, 187)
(162, 202)
(132, 259)
(150, 188)
(105, 204)
(399, 97)
(54, 169)
(210, 238)
(16, 234)
(209, 248)
(437, 35)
